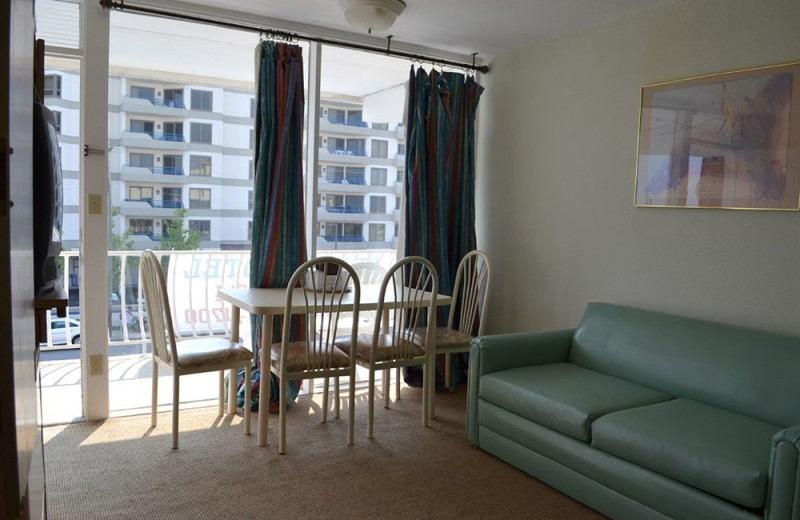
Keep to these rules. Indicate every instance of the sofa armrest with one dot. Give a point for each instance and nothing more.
(783, 493)
(503, 351)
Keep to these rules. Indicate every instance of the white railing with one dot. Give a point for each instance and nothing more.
(193, 278)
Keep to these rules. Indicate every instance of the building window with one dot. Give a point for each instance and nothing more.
(57, 118)
(140, 226)
(401, 173)
(380, 126)
(202, 100)
(397, 203)
(173, 97)
(141, 160)
(199, 198)
(201, 133)
(172, 197)
(251, 173)
(200, 165)
(142, 127)
(252, 108)
(173, 132)
(377, 176)
(357, 147)
(252, 139)
(202, 228)
(148, 93)
(52, 85)
(250, 200)
(140, 193)
(401, 149)
(173, 165)
(354, 118)
(380, 148)
(377, 205)
(250, 230)
(336, 116)
(377, 232)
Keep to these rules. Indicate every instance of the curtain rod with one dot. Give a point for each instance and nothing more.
(290, 37)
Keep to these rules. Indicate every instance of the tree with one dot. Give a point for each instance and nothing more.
(176, 237)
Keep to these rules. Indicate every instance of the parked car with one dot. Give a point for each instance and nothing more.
(59, 333)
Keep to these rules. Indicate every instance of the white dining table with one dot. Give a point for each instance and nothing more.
(271, 302)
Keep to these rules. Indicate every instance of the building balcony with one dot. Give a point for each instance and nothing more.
(344, 209)
(328, 127)
(153, 174)
(156, 107)
(154, 140)
(340, 214)
(149, 208)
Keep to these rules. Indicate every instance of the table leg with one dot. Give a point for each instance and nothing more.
(265, 375)
(232, 376)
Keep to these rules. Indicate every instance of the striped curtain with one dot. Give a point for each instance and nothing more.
(440, 180)
(278, 243)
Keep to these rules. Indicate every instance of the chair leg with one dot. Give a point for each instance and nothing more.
(326, 382)
(447, 362)
(153, 410)
(432, 385)
(247, 379)
(396, 381)
(426, 385)
(371, 404)
(175, 405)
(336, 404)
(386, 386)
(351, 402)
(264, 397)
(221, 393)
(282, 416)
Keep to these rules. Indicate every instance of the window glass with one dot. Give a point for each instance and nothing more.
(202, 228)
(202, 100)
(200, 165)
(52, 85)
(199, 198)
(380, 148)
(377, 176)
(201, 133)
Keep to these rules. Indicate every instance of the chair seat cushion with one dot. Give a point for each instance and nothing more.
(447, 339)
(562, 396)
(720, 452)
(196, 352)
(384, 350)
(298, 358)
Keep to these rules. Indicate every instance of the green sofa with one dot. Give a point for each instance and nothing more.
(643, 415)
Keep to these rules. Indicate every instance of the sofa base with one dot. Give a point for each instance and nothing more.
(612, 486)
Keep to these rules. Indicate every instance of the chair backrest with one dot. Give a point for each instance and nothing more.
(321, 282)
(162, 334)
(408, 292)
(470, 293)
(369, 272)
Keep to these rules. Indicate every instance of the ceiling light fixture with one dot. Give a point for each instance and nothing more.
(371, 15)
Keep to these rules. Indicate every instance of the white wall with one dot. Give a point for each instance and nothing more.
(556, 165)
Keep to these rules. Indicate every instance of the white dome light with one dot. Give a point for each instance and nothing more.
(372, 15)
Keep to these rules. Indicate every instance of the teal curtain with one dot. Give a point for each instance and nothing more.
(440, 180)
(278, 244)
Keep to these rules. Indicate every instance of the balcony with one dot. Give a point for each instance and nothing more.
(343, 238)
(154, 140)
(355, 179)
(153, 106)
(345, 209)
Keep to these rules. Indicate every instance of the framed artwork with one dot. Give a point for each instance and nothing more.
(728, 140)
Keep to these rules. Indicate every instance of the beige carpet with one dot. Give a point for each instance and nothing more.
(121, 468)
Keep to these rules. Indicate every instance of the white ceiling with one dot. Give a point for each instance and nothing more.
(488, 27)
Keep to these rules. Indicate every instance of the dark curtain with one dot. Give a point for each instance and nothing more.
(278, 243)
(440, 181)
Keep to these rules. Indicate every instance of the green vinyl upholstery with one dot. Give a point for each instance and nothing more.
(641, 414)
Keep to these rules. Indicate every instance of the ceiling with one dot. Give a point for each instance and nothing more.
(463, 27)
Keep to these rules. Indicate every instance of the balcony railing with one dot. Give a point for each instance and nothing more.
(344, 151)
(344, 122)
(161, 102)
(170, 204)
(343, 238)
(161, 136)
(360, 180)
(344, 209)
(165, 170)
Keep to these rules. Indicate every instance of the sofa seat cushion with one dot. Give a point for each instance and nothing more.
(720, 452)
(563, 397)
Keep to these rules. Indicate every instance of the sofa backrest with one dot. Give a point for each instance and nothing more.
(747, 371)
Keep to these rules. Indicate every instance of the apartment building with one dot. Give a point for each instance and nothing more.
(176, 143)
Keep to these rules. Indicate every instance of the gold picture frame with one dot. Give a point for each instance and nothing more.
(728, 141)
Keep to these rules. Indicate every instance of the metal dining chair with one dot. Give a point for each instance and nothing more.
(407, 302)
(323, 284)
(183, 356)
